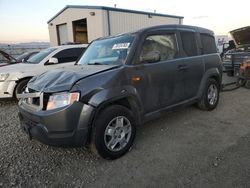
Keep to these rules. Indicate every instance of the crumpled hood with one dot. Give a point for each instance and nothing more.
(241, 36)
(59, 80)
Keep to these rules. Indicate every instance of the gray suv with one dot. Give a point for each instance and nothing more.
(120, 82)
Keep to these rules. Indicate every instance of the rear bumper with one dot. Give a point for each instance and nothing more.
(67, 126)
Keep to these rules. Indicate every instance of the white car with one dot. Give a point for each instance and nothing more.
(14, 78)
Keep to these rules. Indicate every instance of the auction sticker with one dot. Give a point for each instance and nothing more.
(121, 46)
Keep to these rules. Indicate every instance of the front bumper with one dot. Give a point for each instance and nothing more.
(7, 89)
(67, 126)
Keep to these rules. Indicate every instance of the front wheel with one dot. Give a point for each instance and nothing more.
(114, 132)
(210, 96)
(20, 88)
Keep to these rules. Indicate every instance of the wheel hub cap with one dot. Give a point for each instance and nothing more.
(117, 133)
(212, 94)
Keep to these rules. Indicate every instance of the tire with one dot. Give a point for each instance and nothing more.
(110, 139)
(21, 87)
(247, 84)
(210, 96)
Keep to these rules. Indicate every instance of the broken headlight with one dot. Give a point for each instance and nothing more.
(62, 99)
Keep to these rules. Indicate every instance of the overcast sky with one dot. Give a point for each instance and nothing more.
(26, 20)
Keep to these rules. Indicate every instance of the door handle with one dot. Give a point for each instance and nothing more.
(182, 67)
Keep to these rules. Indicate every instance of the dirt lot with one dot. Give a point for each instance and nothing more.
(188, 148)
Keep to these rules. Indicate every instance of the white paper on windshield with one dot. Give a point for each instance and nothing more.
(121, 46)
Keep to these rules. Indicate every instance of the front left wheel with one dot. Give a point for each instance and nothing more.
(114, 132)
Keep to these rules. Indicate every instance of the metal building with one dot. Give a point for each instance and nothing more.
(82, 24)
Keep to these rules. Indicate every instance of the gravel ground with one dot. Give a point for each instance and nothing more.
(186, 148)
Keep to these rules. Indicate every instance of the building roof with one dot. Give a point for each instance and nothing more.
(113, 9)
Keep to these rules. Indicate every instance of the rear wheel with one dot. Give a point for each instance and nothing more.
(210, 96)
(20, 88)
(113, 132)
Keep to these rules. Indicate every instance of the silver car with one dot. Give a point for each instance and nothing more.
(14, 78)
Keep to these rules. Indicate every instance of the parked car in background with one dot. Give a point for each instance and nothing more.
(120, 82)
(6, 59)
(14, 78)
(233, 58)
(25, 56)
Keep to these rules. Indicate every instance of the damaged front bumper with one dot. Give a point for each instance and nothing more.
(65, 126)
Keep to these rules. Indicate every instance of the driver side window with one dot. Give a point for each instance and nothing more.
(164, 44)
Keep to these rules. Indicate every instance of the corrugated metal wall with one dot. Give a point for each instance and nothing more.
(104, 22)
(121, 22)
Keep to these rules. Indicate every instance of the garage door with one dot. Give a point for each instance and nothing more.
(62, 34)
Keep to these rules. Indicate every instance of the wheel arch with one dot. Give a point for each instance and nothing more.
(18, 81)
(211, 73)
(128, 101)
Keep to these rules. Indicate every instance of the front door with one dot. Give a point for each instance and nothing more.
(161, 84)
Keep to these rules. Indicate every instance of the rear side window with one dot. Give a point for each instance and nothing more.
(165, 44)
(208, 44)
(189, 43)
(69, 55)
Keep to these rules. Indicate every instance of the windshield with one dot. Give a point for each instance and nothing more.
(111, 51)
(40, 56)
(23, 56)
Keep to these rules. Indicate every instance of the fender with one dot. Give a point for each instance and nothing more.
(213, 72)
(101, 97)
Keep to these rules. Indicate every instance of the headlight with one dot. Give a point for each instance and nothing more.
(62, 99)
(4, 76)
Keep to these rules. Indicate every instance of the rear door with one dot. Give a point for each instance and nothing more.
(193, 65)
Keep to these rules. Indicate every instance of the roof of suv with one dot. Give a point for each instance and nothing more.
(178, 27)
(163, 27)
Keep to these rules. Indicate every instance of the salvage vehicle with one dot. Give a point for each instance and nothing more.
(14, 78)
(6, 59)
(120, 82)
(233, 58)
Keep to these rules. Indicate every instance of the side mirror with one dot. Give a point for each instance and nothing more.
(151, 57)
(53, 60)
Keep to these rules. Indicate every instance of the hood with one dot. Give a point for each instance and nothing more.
(59, 80)
(20, 67)
(241, 36)
(8, 57)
